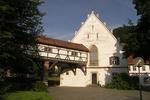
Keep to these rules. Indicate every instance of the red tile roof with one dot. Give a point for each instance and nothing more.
(60, 43)
(130, 60)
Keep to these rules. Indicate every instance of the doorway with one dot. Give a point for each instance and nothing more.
(94, 78)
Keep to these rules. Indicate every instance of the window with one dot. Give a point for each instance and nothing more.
(143, 68)
(47, 49)
(97, 35)
(134, 68)
(67, 73)
(114, 60)
(93, 56)
(129, 68)
(41, 48)
(74, 53)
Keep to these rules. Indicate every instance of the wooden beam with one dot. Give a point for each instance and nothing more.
(53, 64)
(45, 72)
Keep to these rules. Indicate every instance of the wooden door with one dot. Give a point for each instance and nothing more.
(94, 78)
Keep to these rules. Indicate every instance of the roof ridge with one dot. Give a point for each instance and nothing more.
(61, 43)
(42, 36)
(93, 12)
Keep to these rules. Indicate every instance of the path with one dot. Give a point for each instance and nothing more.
(94, 93)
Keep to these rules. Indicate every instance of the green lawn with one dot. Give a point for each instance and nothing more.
(27, 95)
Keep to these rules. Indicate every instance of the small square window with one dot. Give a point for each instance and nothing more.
(67, 73)
(41, 48)
(47, 49)
(97, 35)
(134, 68)
(129, 68)
(114, 60)
(74, 53)
(143, 68)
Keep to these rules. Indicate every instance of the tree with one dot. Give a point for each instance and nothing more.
(137, 37)
(127, 35)
(143, 27)
(20, 23)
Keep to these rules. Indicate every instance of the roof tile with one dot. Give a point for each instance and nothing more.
(60, 43)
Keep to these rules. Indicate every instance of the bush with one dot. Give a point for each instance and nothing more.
(4, 88)
(134, 82)
(17, 84)
(39, 87)
(123, 81)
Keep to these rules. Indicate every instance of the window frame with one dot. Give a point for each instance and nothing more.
(48, 49)
(74, 53)
(93, 51)
(143, 68)
(134, 68)
(114, 60)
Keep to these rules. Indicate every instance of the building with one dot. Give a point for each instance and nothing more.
(105, 56)
(144, 71)
(61, 55)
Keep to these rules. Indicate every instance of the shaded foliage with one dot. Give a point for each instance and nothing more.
(20, 23)
(137, 37)
(127, 34)
(123, 81)
(39, 87)
(143, 27)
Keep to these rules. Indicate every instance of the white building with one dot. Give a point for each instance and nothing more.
(104, 58)
(144, 71)
(61, 55)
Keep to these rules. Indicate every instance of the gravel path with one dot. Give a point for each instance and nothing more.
(94, 93)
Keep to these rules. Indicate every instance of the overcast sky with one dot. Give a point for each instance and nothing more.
(63, 17)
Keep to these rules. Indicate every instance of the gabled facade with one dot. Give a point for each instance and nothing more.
(105, 56)
(144, 71)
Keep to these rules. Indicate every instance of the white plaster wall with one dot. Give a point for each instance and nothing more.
(104, 76)
(147, 69)
(107, 46)
(62, 52)
(78, 80)
(144, 74)
(105, 42)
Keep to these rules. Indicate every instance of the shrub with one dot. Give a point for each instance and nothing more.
(134, 82)
(123, 81)
(4, 88)
(39, 86)
(17, 84)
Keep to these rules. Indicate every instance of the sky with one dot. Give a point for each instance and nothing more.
(63, 17)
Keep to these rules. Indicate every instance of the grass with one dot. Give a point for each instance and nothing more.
(27, 95)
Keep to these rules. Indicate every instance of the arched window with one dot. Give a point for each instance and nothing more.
(93, 56)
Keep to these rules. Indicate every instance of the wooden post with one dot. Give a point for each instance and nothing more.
(45, 71)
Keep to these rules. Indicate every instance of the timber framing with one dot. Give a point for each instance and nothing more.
(66, 55)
